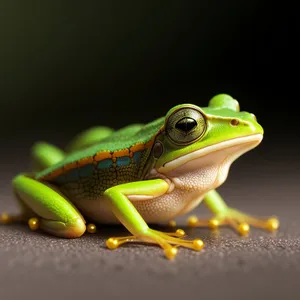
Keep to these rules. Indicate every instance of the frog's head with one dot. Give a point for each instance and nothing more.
(196, 137)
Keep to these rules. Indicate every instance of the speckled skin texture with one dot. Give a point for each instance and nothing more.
(92, 187)
(262, 266)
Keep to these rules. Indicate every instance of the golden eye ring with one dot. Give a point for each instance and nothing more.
(185, 126)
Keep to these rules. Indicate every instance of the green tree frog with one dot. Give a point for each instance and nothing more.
(142, 174)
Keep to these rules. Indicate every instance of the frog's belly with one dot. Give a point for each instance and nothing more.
(160, 209)
(189, 190)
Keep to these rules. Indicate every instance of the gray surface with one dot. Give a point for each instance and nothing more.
(262, 266)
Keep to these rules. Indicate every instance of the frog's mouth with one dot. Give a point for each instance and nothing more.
(228, 150)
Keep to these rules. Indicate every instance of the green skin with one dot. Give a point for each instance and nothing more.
(62, 206)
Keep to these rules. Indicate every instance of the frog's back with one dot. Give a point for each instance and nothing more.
(117, 159)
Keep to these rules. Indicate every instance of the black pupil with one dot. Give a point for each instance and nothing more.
(186, 124)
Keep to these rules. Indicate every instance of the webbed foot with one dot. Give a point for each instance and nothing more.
(169, 241)
(239, 221)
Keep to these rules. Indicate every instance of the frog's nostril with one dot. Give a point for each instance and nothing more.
(234, 122)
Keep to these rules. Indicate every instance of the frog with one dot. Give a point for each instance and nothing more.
(142, 174)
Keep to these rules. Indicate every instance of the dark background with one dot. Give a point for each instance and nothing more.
(66, 67)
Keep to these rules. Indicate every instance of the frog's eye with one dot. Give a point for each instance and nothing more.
(185, 125)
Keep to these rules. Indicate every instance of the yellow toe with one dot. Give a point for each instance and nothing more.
(171, 252)
(4, 218)
(272, 224)
(192, 221)
(198, 244)
(172, 223)
(112, 243)
(34, 223)
(91, 228)
(180, 233)
(243, 229)
(213, 223)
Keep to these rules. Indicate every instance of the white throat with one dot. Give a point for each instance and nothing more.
(207, 168)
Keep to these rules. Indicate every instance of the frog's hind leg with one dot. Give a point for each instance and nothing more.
(45, 155)
(97, 134)
(89, 137)
(49, 209)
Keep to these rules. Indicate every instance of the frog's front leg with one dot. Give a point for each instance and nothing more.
(49, 209)
(225, 215)
(127, 214)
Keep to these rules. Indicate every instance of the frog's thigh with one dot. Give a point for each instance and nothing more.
(45, 155)
(56, 215)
